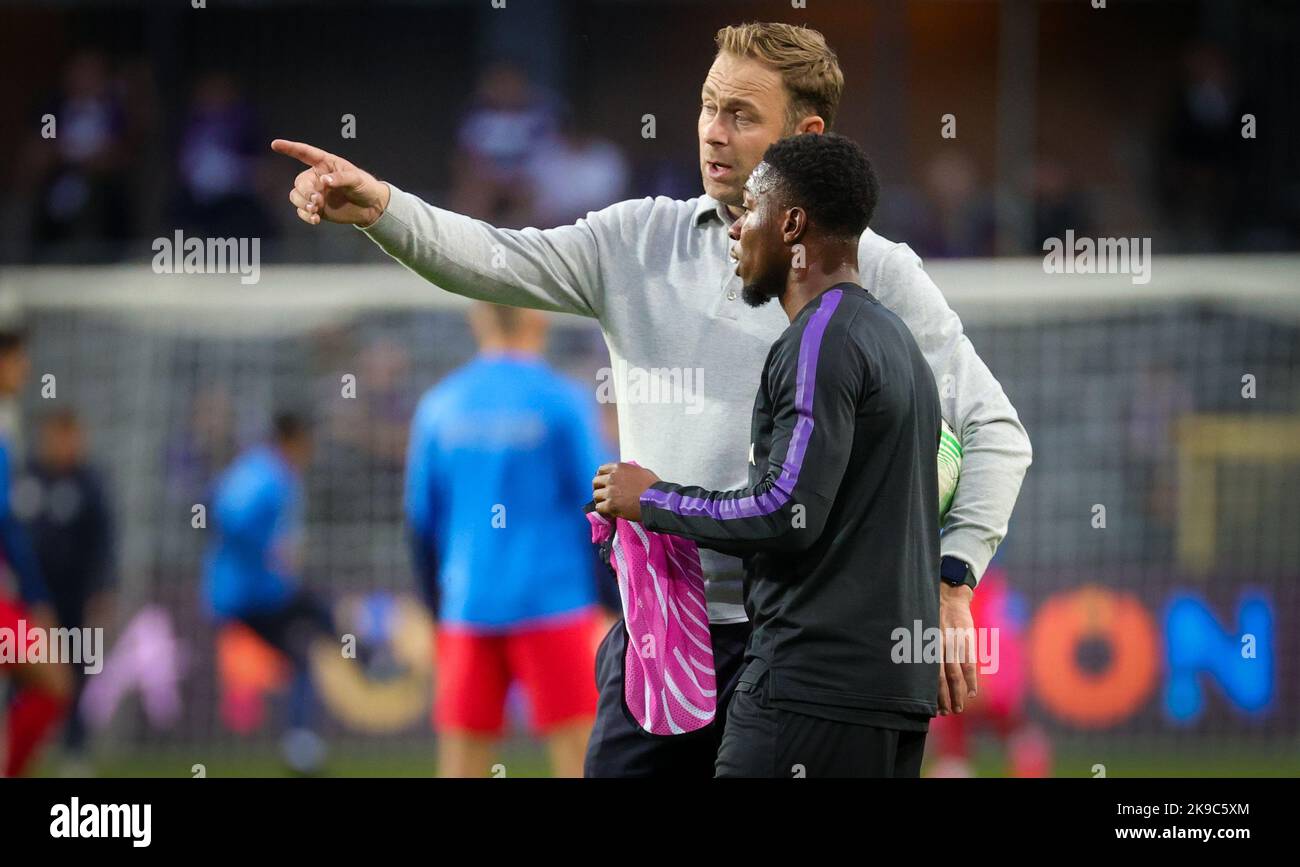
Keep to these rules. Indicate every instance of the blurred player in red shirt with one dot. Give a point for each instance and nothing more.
(1000, 706)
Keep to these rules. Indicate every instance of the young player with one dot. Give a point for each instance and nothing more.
(500, 454)
(838, 523)
(253, 570)
(72, 535)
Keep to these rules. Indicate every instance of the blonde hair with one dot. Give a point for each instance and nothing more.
(808, 66)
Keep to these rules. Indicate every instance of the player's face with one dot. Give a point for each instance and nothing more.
(743, 110)
(62, 446)
(14, 368)
(298, 450)
(762, 259)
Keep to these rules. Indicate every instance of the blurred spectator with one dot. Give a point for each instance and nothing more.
(365, 423)
(199, 449)
(1059, 204)
(676, 179)
(62, 500)
(1203, 152)
(220, 151)
(83, 203)
(507, 122)
(374, 416)
(963, 212)
(575, 172)
(905, 213)
(951, 215)
(1161, 396)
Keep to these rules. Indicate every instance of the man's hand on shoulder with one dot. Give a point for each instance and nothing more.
(333, 189)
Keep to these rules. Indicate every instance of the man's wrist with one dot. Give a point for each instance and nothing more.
(383, 197)
(961, 593)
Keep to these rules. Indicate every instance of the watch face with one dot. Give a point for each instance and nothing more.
(955, 572)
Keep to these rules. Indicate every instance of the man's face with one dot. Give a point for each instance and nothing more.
(15, 365)
(761, 254)
(62, 447)
(743, 110)
(298, 451)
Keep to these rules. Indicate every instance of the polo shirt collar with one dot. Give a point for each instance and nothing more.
(707, 207)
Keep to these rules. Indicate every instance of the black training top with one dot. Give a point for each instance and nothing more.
(839, 525)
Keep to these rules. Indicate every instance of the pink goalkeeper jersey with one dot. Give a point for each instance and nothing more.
(668, 679)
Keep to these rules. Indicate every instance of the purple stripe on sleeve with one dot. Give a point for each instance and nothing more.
(780, 493)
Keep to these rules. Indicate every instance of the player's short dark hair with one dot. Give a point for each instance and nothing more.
(12, 340)
(830, 177)
(288, 426)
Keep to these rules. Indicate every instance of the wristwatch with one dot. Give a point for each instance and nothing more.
(956, 572)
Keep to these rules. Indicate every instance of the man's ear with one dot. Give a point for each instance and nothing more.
(794, 225)
(813, 124)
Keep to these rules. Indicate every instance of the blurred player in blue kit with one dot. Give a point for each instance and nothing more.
(497, 473)
(253, 570)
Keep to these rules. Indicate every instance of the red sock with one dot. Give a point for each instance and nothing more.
(32, 716)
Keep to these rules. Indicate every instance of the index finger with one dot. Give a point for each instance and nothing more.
(301, 151)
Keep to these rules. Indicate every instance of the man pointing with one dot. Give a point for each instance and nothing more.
(657, 275)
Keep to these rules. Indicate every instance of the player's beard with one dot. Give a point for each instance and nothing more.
(754, 297)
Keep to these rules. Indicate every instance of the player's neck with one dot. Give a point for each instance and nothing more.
(804, 284)
(520, 349)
